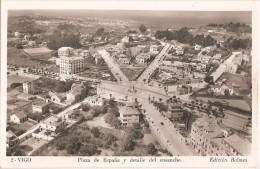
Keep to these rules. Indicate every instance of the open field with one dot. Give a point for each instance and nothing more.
(18, 58)
(132, 74)
(37, 51)
(17, 79)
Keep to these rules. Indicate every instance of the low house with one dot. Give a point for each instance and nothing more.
(142, 58)
(221, 90)
(77, 93)
(123, 59)
(125, 39)
(154, 50)
(12, 142)
(52, 123)
(58, 97)
(31, 43)
(175, 111)
(94, 101)
(129, 115)
(197, 47)
(41, 107)
(18, 117)
(184, 89)
(201, 67)
(179, 51)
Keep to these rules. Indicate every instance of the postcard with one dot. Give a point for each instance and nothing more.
(129, 84)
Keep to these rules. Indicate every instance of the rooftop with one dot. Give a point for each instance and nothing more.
(41, 104)
(242, 146)
(128, 110)
(20, 114)
(53, 120)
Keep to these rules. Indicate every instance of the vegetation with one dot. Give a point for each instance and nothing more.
(132, 132)
(183, 36)
(142, 28)
(63, 38)
(14, 85)
(54, 85)
(233, 27)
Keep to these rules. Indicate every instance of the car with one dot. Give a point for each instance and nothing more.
(162, 123)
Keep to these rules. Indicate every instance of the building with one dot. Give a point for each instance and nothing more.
(97, 57)
(154, 50)
(17, 34)
(125, 39)
(12, 143)
(197, 47)
(31, 43)
(142, 58)
(179, 51)
(175, 111)
(41, 107)
(77, 93)
(53, 124)
(65, 52)
(84, 53)
(236, 146)
(18, 117)
(94, 101)
(209, 139)
(235, 120)
(123, 59)
(129, 115)
(71, 65)
(184, 89)
(27, 36)
(58, 97)
(221, 90)
(27, 87)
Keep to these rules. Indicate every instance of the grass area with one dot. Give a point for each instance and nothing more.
(132, 74)
(18, 58)
(37, 51)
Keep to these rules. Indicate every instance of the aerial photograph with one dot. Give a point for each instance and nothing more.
(129, 83)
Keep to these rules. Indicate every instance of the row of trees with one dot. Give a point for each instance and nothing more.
(63, 38)
(183, 36)
(233, 27)
(236, 44)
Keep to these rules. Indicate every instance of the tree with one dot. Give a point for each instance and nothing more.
(151, 149)
(209, 80)
(88, 149)
(85, 106)
(95, 131)
(127, 143)
(142, 28)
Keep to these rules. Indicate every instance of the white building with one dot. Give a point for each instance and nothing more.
(65, 51)
(197, 47)
(154, 50)
(128, 115)
(18, 117)
(94, 101)
(27, 87)
(125, 39)
(71, 65)
(142, 58)
(52, 123)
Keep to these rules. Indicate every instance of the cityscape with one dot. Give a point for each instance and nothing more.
(88, 83)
